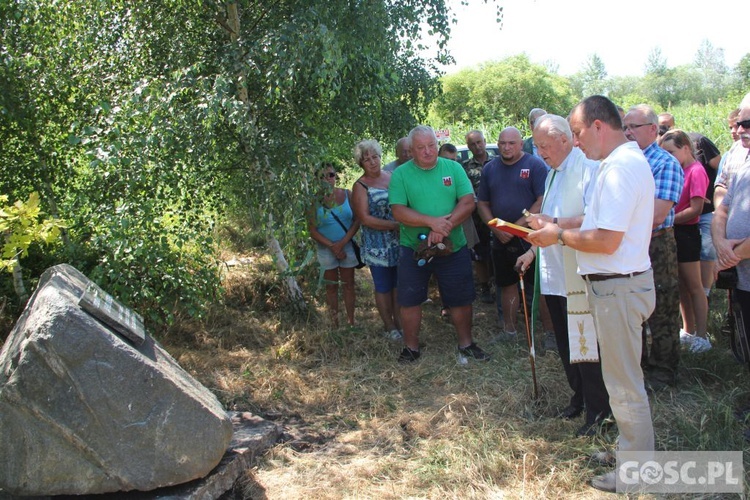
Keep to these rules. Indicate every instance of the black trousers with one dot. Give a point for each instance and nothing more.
(585, 379)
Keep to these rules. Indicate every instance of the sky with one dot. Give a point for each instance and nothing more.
(621, 33)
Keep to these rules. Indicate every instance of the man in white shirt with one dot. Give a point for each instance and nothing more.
(612, 252)
(562, 289)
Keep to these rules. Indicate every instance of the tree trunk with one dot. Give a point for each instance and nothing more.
(233, 22)
(292, 287)
(18, 285)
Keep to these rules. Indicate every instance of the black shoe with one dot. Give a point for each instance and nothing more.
(408, 356)
(550, 342)
(570, 412)
(658, 380)
(591, 429)
(473, 351)
(485, 295)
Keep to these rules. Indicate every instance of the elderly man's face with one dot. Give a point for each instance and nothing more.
(424, 148)
(638, 129)
(743, 127)
(476, 144)
(553, 149)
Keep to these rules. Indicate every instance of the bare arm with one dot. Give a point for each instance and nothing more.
(742, 250)
(485, 213)
(691, 212)
(440, 227)
(463, 210)
(719, 193)
(726, 257)
(661, 210)
(537, 220)
(534, 208)
(362, 211)
(714, 162)
(337, 247)
(312, 227)
(591, 240)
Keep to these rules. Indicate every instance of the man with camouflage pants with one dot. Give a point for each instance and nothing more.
(660, 362)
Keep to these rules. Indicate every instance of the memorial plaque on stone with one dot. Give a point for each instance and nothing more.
(113, 314)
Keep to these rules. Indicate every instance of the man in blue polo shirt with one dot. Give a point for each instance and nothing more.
(510, 183)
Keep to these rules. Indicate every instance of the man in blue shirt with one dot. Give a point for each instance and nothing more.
(510, 183)
(641, 124)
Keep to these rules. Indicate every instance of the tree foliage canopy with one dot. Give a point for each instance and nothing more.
(502, 90)
(141, 123)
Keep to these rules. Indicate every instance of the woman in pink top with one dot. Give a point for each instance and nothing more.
(693, 301)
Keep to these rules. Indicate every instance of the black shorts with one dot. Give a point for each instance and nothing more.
(688, 238)
(481, 250)
(504, 258)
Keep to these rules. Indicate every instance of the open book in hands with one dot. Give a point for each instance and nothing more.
(509, 227)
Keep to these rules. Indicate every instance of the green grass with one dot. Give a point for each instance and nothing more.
(362, 426)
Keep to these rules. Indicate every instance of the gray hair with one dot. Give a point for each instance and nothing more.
(554, 125)
(648, 113)
(366, 146)
(745, 103)
(472, 132)
(421, 130)
(534, 115)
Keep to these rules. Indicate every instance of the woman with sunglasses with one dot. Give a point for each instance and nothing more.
(332, 224)
(380, 246)
(693, 301)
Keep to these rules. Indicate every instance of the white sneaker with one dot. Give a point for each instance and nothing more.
(700, 345)
(686, 338)
(394, 335)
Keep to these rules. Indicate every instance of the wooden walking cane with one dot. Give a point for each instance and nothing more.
(532, 353)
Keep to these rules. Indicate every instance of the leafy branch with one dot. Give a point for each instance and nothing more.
(20, 227)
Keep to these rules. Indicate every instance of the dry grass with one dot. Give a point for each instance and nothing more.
(359, 425)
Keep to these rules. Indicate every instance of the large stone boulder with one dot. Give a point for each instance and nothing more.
(84, 410)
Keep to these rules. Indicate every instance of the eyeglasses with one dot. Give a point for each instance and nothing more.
(633, 127)
(744, 124)
(329, 175)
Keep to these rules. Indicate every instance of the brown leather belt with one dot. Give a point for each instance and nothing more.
(604, 277)
(661, 232)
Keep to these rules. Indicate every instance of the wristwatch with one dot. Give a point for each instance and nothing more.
(560, 238)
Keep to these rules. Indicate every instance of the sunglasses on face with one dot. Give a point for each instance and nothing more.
(744, 124)
(329, 175)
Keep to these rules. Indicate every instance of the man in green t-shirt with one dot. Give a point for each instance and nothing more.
(431, 197)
